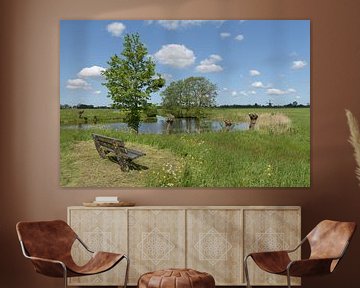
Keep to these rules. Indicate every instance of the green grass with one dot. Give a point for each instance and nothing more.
(211, 159)
(71, 116)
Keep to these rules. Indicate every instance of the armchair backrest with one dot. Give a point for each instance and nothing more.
(46, 239)
(329, 239)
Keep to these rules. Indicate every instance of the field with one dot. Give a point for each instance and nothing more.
(275, 155)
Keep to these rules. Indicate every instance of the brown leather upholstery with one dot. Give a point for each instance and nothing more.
(176, 278)
(328, 239)
(328, 242)
(53, 240)
(272, 262)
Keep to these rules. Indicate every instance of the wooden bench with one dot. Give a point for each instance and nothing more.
(124, 156)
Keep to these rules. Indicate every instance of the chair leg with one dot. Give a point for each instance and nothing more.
(65, 276)
(127, 271)
(288, 278)
(246, 270)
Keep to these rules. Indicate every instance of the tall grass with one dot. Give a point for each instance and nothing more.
(273, 122)
(217, 159)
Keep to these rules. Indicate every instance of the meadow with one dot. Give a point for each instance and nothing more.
(276, 154)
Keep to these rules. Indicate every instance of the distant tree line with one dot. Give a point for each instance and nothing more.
(151, 109)
(294, 104)
(82, 106)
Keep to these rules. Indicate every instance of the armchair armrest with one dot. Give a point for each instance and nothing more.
(309, 267)
(83, 244)
(298, 246)
(49, 267)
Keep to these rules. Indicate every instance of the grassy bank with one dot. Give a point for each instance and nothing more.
(261, 158)
(71, 116)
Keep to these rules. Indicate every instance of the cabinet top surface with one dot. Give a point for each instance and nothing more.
(192, 207)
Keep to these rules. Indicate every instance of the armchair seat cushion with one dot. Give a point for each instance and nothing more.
(99, 262)
(272, 262)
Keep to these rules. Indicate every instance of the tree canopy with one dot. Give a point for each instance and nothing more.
(131, 78)
(192, 92)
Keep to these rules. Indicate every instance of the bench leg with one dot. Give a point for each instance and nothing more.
(124, 165)
(100, 150)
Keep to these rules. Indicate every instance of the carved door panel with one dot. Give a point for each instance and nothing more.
(269, 230)
(156, 240)
(101, 230)
(214, 244)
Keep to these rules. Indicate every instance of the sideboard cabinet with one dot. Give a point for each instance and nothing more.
(212, 239)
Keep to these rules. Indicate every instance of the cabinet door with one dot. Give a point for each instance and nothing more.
(214, 244)
(101, 230)
(156, 240)
(270, 230)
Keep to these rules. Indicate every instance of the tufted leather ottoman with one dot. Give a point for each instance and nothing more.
(176, 278)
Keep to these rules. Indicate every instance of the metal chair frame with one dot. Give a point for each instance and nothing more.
(23, 249)
(288, 276)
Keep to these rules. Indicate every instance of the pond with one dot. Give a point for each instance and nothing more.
(160, 126)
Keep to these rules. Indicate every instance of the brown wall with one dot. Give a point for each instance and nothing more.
(29, 111)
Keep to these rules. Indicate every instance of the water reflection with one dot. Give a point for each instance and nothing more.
(159, 125)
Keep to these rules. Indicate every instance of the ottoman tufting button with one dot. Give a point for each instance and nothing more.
(176, 278)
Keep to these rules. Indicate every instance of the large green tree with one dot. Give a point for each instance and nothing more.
(131, 78)
(192, 92)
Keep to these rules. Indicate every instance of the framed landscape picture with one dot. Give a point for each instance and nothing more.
(185, 103)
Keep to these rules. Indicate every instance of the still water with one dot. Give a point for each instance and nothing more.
(160, 126)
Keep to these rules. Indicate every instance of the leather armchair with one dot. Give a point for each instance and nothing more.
(48, 245)
(328, 242)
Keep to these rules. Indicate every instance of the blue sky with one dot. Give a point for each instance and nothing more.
(252, 61)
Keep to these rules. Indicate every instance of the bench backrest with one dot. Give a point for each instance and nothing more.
(108, 142)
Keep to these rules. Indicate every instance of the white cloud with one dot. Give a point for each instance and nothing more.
(233, 93)
(225, 34)
(299, 64)
(252, 92)
(209, 64)
(274, 91)
(239, 37)
(254, 73)
(116, 28)
(97, 92)
(258, 84)
(78, 84)
(225, 89)
(175, 55)
(176, 24)
(243, 93)
(93, 71)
